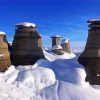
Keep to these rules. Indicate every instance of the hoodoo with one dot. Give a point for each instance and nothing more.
(27, 45)
(90, 58)
(4, 53)
(55, 40)
(66, 45)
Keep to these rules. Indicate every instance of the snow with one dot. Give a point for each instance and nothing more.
(93, 20)
(65, 91)
(2, 33)
(64, 41)
(56, 47)
(51, 56)
(34, 78)
(54, 78)
(56, 36)
(27, 24)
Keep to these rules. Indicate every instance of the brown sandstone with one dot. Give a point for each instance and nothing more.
(66, 45)
(4, 53)
(90, 58)
(55, 40)
(26, 46)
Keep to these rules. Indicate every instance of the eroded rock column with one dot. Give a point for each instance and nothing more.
(90, 58)
(4, 53)
(27, 45)
(55, 40)
(66, 45)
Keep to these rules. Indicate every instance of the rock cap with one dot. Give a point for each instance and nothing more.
(27, 24)
(56, 36)
(2, 33)
(64, 41)
(94, 20)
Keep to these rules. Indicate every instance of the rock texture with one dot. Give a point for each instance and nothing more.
(26, 46)
(55, 40)
(66, 45)
(90, 58)
(4, 53)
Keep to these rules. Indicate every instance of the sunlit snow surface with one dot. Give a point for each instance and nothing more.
(27, 24)
(57, 78)
(2, 33)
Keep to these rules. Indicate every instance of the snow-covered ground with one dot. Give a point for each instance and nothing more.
(53, 78)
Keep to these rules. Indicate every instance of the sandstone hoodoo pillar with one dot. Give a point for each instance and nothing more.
(27, 45)
(66, 45)
(90, 58)
(55, 40)
(4, 53)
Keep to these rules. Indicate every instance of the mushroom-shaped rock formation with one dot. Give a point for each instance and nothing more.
(90, 58)
(55, 40)
(27, 45)
(4, 53)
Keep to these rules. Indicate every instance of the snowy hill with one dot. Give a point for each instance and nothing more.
(57, 78)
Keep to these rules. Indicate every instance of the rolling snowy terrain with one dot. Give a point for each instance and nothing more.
(53, 78)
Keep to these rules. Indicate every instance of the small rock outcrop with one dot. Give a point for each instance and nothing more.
(27, 45)
(4, 53)
(57, 49)
(65, 43)
(90, 58)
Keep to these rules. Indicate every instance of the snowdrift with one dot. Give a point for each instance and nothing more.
(57, 78)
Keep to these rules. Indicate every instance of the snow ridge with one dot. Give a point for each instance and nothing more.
(57, 78)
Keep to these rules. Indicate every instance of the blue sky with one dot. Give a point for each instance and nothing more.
(67, 18)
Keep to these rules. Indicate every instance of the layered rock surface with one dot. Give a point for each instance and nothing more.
(4, 53)
(27, 45)
(66, 45)
(90, 58)
(55, 40)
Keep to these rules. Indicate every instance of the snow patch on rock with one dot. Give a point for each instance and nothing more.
(93, 20)
(27, 24)
(58, 36)
(2, 33)
(55, 47)
(64, 41)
